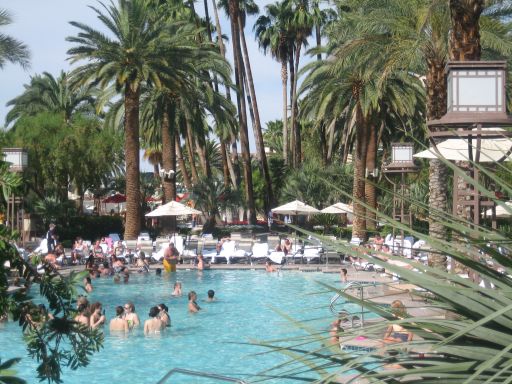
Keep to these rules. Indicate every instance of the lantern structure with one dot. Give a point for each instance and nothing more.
(476, 109)
(17, 158)
(18, 162)
(402, 163)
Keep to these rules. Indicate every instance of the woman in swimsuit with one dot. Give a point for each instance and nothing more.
(395, 333)
(164, 315)
(153, 324)
(119, 323)
(82, 317)
(130, 316)
(97, 318)
(193, 307)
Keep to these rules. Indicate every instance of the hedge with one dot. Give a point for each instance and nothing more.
(89, 227)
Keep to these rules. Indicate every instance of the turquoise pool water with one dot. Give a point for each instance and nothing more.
(211, 340)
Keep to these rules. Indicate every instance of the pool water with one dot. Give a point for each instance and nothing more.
(212, 340)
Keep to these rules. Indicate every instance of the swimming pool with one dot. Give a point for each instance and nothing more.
(208, 341)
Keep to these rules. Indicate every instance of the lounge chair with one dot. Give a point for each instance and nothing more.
(259, 252)
(190, 250)
(312, 252)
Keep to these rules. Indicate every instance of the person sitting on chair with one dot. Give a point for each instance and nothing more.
(395, 333)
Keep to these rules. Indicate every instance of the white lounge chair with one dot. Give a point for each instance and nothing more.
(259, 251)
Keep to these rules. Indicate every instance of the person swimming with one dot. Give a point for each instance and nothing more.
(193, 307)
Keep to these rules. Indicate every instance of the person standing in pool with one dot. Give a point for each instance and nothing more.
(193, 307)
(171, 258)
(177, 289)
(343, 275)
(88, 284)
(153, 324)
(130, 316)
(164, 315)
(119, 323)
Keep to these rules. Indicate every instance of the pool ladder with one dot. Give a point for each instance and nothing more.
(188, 372)
(343, 313)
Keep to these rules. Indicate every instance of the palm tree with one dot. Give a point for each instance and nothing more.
(141, 50)
(301, 25)
(47, 93)
(413, 35)
(11, 50)
(234, 13)
(351, 90)
(273, 36)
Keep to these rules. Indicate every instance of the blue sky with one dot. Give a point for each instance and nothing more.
(44, 25)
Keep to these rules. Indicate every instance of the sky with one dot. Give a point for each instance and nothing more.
(44, 25)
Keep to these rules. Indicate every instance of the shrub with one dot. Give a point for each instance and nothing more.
(89, 227)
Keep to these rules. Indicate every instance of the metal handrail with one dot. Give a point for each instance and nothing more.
(199, 374)
(352, 284)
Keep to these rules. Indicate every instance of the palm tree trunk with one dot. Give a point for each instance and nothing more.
(369, 187)
(330, 143)
(465, 31)
(168, 157)
(359, 224)
(295, 126)
(318, 36)
(232, 172)
(258, 135)
(291, 133)
(131, 150)
(284, 81)
(233, 160)
(225, 167)
(181, 163)
(201, 152)
(438, 171)
(189, 139)
(242, 115)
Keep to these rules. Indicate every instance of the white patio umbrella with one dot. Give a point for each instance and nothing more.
(295, 208)
(500, 210)
(338, 208)
(173, 208)
(491, 150)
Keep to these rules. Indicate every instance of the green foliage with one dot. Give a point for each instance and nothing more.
(310, 184)
(89, 227)
(53, 342)
(469, 341)
(60, 152)
(11, 50)
(211, 196)
(7, 374)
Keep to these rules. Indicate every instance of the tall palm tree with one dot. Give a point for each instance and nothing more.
(272, 33)
(234, 13)
(249, 7)
(413, 35)
(139, 50)
(11, 50)
(301, 25)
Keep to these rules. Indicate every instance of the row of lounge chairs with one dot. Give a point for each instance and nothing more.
(241, 250)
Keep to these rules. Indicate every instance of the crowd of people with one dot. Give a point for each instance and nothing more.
(126, 318)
